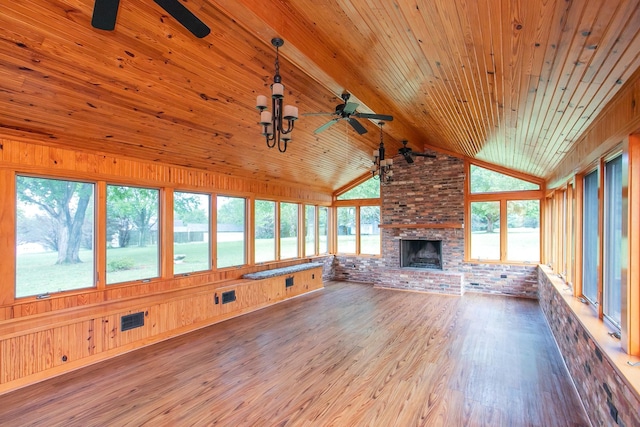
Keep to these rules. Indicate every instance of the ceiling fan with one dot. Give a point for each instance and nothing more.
(106, 11)
(409, 154)
(347, 111)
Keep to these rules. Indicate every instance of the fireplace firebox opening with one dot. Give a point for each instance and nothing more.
(421, 254)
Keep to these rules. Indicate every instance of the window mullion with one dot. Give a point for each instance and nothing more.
(503, 230)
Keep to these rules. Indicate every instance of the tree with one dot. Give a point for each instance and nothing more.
(288, 219)
(485, 215)
(188, 207)
(132, 208)
(65, 204)
(265, 215)
(488, 181)
(370, 189)
(231, 210)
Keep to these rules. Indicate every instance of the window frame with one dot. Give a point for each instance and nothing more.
(97, 251)
(356, 204)
(572, 246)
(214, 230)
(502, 197)
(165, 215)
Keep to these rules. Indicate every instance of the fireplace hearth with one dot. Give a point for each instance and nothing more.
(421, 254)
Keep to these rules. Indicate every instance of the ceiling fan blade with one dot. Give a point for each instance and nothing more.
(325, 126)
(408, 158)
(104, 14)
(383, 117)
(357, 126)
(349, 107)
(181, 14)
(424, 155)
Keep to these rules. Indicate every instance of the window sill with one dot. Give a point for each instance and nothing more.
(599, 332)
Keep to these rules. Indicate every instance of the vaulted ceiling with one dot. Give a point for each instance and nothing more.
(510, 82)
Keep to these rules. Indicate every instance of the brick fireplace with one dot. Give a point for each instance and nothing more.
(425, 202)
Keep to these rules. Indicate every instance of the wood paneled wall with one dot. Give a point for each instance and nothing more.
(27, 157)
(44, 337)
(37, 347)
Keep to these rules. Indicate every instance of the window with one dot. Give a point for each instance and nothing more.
(132, 233)
(309, 230)
(612, 239)
(265, 231)
(55, 234)
(485, 230)
(346, 230)
(323, 230)
(369, 230)
(523, 230)
(288, 230)
(191, 232)
(230, 231)
(488, 181)
(369, 189)
(590, 237)
(358, 219)
(504, 217)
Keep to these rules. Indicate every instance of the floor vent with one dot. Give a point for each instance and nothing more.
(288, 282)
(229, 296)
(132, 321)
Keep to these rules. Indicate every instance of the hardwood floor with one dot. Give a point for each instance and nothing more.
(349, 355)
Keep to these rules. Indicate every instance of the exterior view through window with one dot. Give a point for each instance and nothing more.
(590, 237)
(358, 219)
(309, 230)
(370, 230)
(346, 230)
(132, 233)
(231, 234)
(288, 230)
(323, 230)
(265, 224)
(191, 232)
(498, 208)
(55, 234)
(612, 239)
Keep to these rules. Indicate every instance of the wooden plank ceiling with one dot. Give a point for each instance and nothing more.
(510, 82)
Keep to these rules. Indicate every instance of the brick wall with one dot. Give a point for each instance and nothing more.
(431, 192)
(502, 279)
(608, 399)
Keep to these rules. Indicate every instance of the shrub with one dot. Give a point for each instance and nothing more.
(120, 264)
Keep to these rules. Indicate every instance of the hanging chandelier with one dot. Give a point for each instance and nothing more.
(272, 122)
(381, 168)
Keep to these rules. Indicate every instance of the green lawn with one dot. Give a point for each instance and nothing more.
(522, 245)
(37, 273)
(369, 244)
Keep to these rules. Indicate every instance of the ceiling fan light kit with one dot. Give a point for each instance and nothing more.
(272, 122)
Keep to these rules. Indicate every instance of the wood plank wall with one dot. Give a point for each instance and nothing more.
(35, 348)
(83, 325)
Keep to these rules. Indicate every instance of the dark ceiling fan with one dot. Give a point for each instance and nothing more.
(409, 154)
(106, 11)
(347, 111)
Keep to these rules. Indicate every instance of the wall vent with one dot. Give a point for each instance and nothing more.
(131, 321)
(288, 282)
(229, 296)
